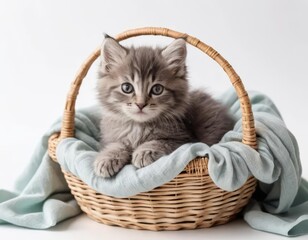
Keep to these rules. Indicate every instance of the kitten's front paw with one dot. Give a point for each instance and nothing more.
(107, 165)
(144, 157)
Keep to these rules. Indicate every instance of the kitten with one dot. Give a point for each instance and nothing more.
(148, 110)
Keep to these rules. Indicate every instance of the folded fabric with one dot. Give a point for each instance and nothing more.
(41, 197)
(281, 206)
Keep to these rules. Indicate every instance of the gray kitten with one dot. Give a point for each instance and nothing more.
(148, 110)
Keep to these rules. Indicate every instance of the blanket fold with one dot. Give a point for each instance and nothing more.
(41, 197)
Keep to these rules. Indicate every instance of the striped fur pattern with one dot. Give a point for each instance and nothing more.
(148, 108)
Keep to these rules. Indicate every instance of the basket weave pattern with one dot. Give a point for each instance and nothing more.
(189, 201)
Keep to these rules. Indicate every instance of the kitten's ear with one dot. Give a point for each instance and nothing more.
(112, 53)
(175, 53)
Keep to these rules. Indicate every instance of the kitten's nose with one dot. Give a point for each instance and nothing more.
(140, 105)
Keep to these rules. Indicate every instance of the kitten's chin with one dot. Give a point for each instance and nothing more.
(140, 117)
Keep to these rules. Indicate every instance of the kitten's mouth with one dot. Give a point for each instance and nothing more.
(140, 115)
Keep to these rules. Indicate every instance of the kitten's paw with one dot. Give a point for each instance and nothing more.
(107, 165)
(144, 157)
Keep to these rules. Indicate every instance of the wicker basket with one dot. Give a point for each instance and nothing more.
(189, 201)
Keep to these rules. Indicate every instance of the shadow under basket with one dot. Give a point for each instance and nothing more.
(191, 200)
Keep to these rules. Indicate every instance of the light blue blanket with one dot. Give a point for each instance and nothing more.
(42, 199)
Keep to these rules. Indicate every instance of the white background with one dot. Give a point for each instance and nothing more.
(43, 43)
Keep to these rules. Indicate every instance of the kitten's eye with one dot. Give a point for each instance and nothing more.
(157, 89)
(127, 88)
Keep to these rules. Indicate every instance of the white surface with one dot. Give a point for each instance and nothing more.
(43, 43)
(82, 228)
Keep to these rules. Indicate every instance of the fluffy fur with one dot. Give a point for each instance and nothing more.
(148, 108)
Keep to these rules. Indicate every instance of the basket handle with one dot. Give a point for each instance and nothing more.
(249, 133)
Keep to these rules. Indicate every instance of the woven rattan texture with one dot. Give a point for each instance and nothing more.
(189, 201)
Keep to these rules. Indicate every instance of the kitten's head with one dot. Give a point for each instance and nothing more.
(143, 84)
